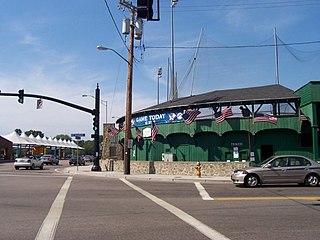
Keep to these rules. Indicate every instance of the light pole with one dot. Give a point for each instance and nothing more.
(128, 117)
(173, 80)
(103, 102)
(159, 76)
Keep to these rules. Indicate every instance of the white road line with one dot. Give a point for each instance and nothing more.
(201, 227)
(50, 223)
(202, 191)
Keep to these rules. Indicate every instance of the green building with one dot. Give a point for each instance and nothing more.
(265, 121)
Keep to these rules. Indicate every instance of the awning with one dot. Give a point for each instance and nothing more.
(16, 139)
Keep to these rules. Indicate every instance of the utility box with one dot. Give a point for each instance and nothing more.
(168, 157)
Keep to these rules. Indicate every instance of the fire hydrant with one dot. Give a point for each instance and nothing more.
(198, 170)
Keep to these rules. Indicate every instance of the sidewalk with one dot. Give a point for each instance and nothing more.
(86, 170)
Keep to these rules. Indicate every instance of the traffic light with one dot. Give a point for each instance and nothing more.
(95, 123)
(145, 9)
(21, 95)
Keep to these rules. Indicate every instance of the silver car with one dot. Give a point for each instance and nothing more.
(49, 159)
(280, 169)
(30, 162)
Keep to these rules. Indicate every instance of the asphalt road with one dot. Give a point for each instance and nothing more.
(109, 208)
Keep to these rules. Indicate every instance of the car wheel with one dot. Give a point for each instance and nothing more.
(251, 181)
(41, 167)
(70, 164)
(57, 163)
(17, 168)
(312, 180)
(32, 167)
(84, 163)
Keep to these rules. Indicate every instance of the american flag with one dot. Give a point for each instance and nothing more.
(112, 132)
(221, 116)
(266, 118)
(227, 112)
(138, 133)
(190, 115)
(154, 131)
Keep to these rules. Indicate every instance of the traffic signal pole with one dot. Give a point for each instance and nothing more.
(95, 112)
(96, 127)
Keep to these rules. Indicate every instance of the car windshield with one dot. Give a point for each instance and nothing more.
(265, 161)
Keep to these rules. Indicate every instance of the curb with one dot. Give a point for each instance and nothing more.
(146, 177)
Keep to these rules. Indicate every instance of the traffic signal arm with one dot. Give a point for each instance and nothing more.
(84, 109)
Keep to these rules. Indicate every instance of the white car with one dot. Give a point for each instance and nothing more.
(28, 163)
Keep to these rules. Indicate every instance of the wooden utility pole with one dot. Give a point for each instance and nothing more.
(128, 117)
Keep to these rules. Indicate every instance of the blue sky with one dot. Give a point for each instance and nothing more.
(49, 48)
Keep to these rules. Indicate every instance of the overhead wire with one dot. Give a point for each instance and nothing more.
(114, 23)
(248, 6)
(236, 46)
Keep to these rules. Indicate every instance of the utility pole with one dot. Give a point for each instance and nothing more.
(144, 10)
(128, 140)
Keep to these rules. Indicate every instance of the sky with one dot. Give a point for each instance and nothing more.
(49, 48)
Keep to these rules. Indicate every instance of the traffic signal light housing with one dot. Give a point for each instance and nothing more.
(21, 96)
(145, 9)
(95, 123)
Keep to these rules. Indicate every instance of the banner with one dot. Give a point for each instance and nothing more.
(159, 118)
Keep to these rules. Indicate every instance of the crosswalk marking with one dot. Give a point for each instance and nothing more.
(49, 226)
(202, 191)
(201, 227)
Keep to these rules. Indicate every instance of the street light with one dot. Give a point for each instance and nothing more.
(159, 76)
(174, 92)
(103, 102)
(128, 117)
(102, 48)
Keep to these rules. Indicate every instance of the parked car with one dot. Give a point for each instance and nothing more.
(50, 159)
(88, 158)
(280, 169)
(74, 160)
(30, 162)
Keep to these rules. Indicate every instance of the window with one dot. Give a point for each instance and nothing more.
(279, 162)
(297, 161)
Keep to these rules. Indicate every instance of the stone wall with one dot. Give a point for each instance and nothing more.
(176, 168)
(110, 143)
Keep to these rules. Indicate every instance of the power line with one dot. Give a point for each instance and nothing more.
(114, 22)
(235, 46)
(261, 5)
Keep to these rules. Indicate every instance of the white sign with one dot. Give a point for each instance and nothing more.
(146, 132)
(235, 152)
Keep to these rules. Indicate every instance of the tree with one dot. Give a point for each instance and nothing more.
(18, 130)
(63, 137)
(35, 133)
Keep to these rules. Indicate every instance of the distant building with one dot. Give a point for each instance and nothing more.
(5, 149)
